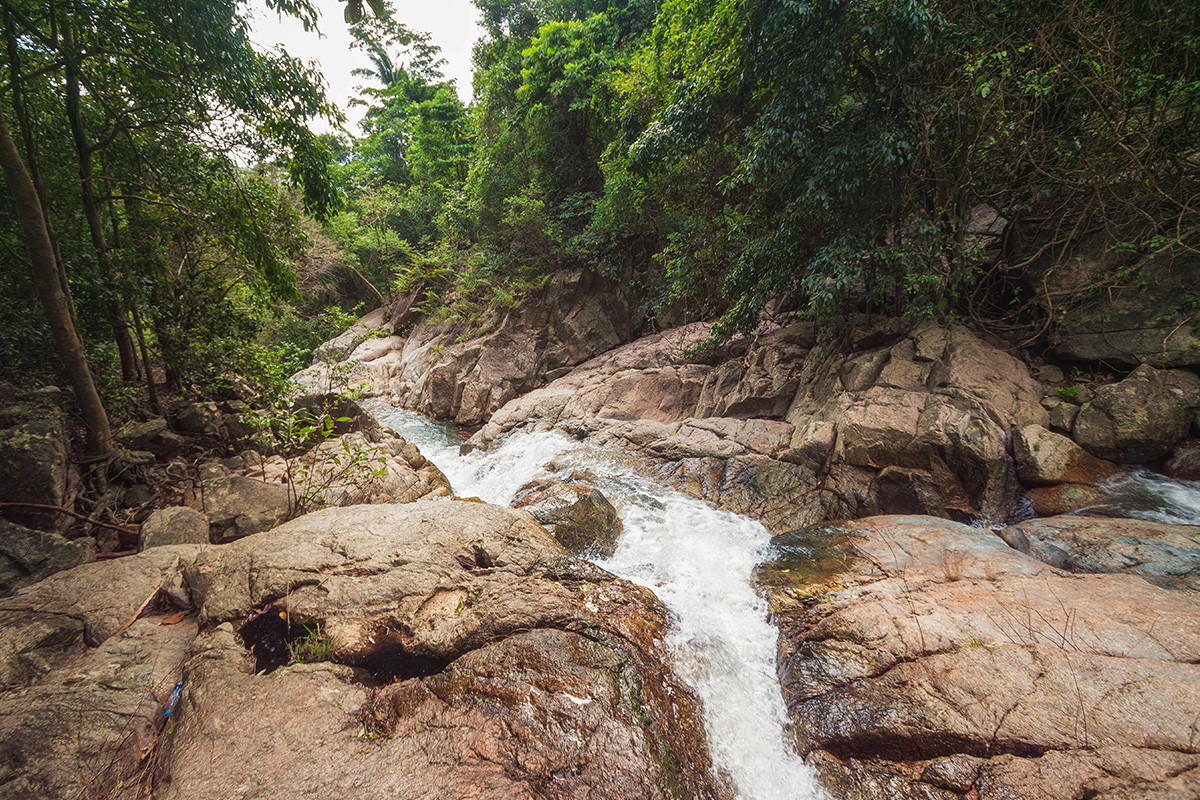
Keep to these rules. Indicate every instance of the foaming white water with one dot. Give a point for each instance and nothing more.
(1142, 494)
(699, 561)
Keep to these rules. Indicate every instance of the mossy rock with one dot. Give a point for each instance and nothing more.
(579, 516)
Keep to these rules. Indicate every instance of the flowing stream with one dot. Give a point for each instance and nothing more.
(1142, 494)
(698, 560)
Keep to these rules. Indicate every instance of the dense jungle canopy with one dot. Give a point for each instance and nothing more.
(727, 158)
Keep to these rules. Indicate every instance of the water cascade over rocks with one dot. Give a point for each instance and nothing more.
(697, 559)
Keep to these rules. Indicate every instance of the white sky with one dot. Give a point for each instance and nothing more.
(453, 25)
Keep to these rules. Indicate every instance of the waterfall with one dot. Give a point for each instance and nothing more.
(698, 560)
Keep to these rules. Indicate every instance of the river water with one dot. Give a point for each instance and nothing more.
(698, 560)
(1142, 494)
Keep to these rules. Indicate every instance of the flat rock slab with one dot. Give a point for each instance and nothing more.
(1166, 555)
(941, 663)
(45, 623)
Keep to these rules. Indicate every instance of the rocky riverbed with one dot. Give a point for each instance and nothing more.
(945, 631)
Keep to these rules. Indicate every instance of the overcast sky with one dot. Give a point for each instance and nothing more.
(453, 25)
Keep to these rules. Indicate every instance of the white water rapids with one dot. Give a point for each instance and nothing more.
(1142, 494)
(698, 560)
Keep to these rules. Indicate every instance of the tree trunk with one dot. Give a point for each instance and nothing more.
(91, 210)
(129, 364)
(150, 387)
(54, 301)
(31, 154)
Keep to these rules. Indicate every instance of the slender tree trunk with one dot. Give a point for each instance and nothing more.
(141, 336)
(83, 148)
(129, 365)
(54, 301)
(91, 210)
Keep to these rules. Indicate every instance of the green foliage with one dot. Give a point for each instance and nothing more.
(317, 460)
(162, 103)
(313, 647)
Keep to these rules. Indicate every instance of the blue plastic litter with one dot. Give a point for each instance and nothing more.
(174, 701)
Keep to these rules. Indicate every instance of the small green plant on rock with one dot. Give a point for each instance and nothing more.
(1069, 393)
(312, 648)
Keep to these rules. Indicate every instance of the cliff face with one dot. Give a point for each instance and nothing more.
(452, 370)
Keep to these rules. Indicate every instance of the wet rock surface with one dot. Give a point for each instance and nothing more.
(1166, 555)
(944, 663)
(921, 422)
(580, 517)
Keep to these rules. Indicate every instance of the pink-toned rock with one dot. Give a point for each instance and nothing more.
(995, 378)
(1046, 458)
(514, 667)
(944, 661)
(1064, 498)
(578, 317)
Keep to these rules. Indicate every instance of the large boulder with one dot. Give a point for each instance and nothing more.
(237, 506)
(465, 654)
(199, 418)
(1184, 463)
(1045, 458)
(474, 657)
(1166, 555)
(960, 451)
(339, 347)
(152, 436)
(944, 664)
(27, 556)
(348, 458)
(1140, 418)
(579, 516)
(35, 460)
(174, 525)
